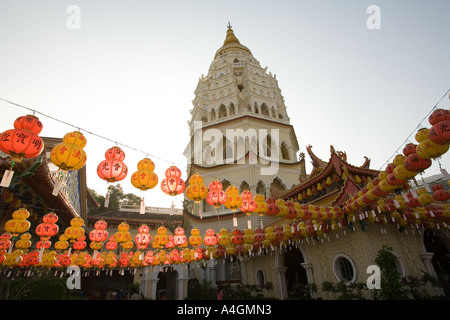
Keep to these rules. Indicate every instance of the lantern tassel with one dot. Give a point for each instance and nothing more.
(107, 200)
(7, 177)
(142, 211)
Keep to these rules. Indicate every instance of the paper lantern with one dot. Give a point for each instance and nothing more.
(48, 228)
(261, 205)
(234, 200)
(75, 231)
(210, 239)
(216, 196)
(248, 204)
(19, 223)
(112, 169)
(438, 115)
(180, 239)
(161, 238)
(62, 243)
(143, 238)
(195, 239)
(23, 141)
(144, 178)
(272, 208)
(24, 242)
(173, 184)
(196, 191)
(69, 155)
(440, 132)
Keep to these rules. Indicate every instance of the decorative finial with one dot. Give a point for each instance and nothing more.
(229, 25)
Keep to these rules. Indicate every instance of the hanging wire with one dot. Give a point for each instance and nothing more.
(414, 131)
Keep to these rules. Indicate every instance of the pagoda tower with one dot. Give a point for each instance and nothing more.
(240, 132)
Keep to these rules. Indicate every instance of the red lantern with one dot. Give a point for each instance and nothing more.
(272, 208)
(98, 235)
(80, 244)
(438, 115)
(292, 212)
(113, 169)
(143, 238)
(248, 204)
(48, 228)
(173, 184)
(210, 239)
(414, 162)
(440, 132)
(237, 237)
(409, 149)
(216, 196)
(180, 238)
(111, 244)
(22, 141)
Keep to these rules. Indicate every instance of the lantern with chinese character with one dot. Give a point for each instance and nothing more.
(5, 241)
(143, 238)
(216, 196)
(180, 239)
(173, 184)
(98, 235)
(248, 205)
(24, 243)
(112, 169)
(144, 179)
(68, 155)
(19, 223)
(111, 244)
(210, 239)
(122, 235)
(196, 191)
(62, 244)
(195, 239)
(75, 231)
(21, 142)
(261, 205)
(283, 208)
(48, 228)
(161, 238)
(272, 207)
(234, 200)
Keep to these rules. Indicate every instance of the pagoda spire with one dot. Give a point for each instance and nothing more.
(230, 38)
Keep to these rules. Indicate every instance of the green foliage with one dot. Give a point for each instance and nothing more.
(36, 288)
(116, 197)
(354, 291)
(302, 291)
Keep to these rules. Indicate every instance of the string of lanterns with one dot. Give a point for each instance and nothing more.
(378, 202)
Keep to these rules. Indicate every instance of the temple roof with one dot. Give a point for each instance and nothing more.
(322, 170)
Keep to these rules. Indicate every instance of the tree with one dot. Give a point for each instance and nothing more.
(116, 198)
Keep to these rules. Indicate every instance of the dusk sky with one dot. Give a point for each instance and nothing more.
(127, 71)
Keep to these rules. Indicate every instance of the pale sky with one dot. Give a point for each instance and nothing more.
(129, 73)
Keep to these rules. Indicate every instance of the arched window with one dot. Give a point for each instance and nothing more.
(277, 184)
(244, 186)
(264, 110)
(260, 277)
(284, 151)
(222, 111)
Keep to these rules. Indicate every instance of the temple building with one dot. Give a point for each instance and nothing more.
(241, 135)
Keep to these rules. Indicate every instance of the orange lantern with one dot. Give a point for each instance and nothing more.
(173, 184)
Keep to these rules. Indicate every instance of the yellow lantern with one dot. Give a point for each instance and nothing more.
(261, 205)
(18, 224)
(144, 178)
(62, 244)
(196, 191)
(75, 231)
(69, 155)
(234, 200)
(283, 208)
(122, 235)
(24, 242)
